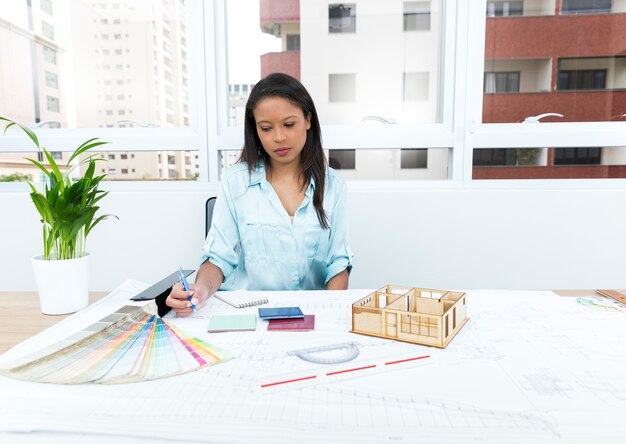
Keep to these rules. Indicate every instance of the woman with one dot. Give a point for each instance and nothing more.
(279, 221)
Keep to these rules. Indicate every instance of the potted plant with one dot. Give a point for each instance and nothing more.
(68, 214)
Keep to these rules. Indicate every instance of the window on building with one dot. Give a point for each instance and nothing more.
(171, 159)
(342, 159)
(293, 42)
(415, 86)
(52, 80)
(585, 6)
(112, 171)
(46, 6)
(342, 17)
(341, 88)
(501, 82)
(413, 158)
(581, 79)
(416, 16)
(507, 157)
(124, 170)
(504, 8)
(494, 157)
(111, 156)
(47, 30)
(52, 104)
(578, 156)
(49, 55)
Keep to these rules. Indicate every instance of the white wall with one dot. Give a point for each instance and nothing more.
(436, 238)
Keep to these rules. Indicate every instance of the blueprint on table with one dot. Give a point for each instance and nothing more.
(529, 366)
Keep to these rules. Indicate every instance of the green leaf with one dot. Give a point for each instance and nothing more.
(84, 147)
(27, 130)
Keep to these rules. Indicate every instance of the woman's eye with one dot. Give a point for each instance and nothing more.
(265, 129)
(289, 125)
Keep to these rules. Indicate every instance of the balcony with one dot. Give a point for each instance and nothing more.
(552, 36)
(575, 105)
(275, 12)
(287, 62)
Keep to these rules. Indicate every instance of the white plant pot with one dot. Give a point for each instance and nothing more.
(63, 284)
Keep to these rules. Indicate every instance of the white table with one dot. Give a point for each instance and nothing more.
(529, 366)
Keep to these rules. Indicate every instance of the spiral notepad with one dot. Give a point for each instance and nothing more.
(243, 304)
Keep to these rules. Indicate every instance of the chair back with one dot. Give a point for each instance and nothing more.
(210, 203)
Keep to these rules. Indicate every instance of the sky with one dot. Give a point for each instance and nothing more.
(246, 42)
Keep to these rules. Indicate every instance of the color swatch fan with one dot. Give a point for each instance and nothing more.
(133, 344)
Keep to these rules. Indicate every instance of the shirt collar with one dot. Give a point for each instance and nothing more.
(259, 177)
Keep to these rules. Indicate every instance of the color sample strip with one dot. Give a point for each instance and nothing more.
(132, 344)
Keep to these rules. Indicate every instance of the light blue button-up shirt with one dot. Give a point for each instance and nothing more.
(258, 247)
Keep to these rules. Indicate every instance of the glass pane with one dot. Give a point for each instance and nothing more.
(150, 165)
(118, 166)
(342, 159)
(362, 66)
(15, 168)
(550, 163)
(390, 164)
(557, 57)
(380, 70)
(102, 63)
(368, 164)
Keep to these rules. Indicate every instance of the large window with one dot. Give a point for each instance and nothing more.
(564, 87)
(414, 92)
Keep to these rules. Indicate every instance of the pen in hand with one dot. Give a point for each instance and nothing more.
(183, 280)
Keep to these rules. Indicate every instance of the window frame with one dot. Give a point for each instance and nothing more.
(460, 129)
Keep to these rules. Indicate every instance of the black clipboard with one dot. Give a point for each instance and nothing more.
(163, 286)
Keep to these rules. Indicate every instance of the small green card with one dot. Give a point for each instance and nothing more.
(219, 323)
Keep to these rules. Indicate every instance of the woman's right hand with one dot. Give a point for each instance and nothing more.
(178, 299)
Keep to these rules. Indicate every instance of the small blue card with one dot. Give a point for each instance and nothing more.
(280, 313)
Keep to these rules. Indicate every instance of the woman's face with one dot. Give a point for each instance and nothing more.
(282, 128)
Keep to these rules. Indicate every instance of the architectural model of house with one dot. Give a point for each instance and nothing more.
(422, 316)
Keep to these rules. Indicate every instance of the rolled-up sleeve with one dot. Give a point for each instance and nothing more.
(339, 252)
(221, 244)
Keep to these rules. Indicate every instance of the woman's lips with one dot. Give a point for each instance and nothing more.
(282, 151)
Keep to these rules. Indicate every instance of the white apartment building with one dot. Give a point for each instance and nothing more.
(31, 84)
(131, 70)
(369, 62)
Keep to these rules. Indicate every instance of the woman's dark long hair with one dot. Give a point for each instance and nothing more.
(312, 159)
